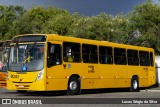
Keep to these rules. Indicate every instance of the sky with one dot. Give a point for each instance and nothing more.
(83, 7)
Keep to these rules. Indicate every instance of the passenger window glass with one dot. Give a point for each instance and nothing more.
(144, 58)
(105, 55)
(132, 56)
(71, 52)
(54, 55)
(89, 53)
(120, 56)
(151, 59)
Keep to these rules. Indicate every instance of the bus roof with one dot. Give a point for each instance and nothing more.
(96, 42)
(50, 37)
(5, 42)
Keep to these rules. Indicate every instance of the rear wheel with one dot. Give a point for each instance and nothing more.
(73, 86)
(134, 84)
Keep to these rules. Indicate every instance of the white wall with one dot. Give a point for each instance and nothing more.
(157, 60)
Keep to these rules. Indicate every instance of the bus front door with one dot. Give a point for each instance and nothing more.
(55, 75)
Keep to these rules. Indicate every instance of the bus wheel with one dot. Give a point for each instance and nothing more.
(73, 86)
(134, 84)
(21, 91)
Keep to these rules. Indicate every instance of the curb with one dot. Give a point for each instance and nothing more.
(149, 90)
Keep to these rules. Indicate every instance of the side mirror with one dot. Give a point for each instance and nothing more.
(52, 49)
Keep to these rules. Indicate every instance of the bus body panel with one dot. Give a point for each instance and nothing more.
(56, 76)
(23, 76)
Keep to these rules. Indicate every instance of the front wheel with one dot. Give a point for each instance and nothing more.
(134, 84)
(73, 86)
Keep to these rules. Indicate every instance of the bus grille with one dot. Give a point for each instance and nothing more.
(22, 86)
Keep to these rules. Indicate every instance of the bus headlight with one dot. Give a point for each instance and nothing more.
(40, 75)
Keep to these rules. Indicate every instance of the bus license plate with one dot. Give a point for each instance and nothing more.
(21, 86)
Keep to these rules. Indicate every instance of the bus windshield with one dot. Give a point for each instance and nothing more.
(26, 57)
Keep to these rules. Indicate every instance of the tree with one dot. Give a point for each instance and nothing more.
(120, 28)
(8, 14)
(90, 27)
(58, 21)
(31, 21)
(146, 19)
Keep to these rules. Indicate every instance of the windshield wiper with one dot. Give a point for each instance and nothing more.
(28, 54)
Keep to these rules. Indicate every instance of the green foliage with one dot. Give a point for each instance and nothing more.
(8, 14)
(146, 19)
(58, 21)
(90, 27)
(31, 21)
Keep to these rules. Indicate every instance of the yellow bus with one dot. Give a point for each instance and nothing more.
(4, 53)
(49, 62)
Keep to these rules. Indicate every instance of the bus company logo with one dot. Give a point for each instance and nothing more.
(6, 101)
(20, 79)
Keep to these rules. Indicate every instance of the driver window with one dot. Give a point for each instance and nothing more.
(54, 54)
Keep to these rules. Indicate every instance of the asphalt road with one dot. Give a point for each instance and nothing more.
(89, 98)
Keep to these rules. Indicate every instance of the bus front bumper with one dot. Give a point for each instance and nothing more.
(30, 86)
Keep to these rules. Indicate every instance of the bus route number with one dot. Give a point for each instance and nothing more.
(91, 69)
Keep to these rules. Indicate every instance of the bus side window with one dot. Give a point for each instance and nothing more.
(105, 55)
(132, 56)
(54, 55)
(151, 59)
(89, 53)
(144, 58)
(71, 52)
(120, 56)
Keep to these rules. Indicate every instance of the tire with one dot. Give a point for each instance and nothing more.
(73, 86)
(134, 84)
(21, 91)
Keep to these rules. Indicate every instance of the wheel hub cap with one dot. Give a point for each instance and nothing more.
(135, 84)
(73, 85)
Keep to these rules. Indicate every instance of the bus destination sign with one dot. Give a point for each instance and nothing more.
(33, 38)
